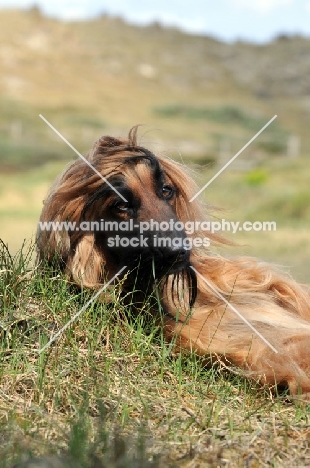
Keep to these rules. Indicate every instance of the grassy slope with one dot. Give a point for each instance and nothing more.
(110, 392)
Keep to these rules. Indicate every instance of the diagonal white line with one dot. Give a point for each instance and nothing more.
(233, 158)
(236, 311)
(75, 316)
(82, 157)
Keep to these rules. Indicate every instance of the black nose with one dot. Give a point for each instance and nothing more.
(174, 254)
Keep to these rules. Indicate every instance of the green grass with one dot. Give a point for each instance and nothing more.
(224, 114)
(110, 392)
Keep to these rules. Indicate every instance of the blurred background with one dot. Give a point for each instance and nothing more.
(201, 77)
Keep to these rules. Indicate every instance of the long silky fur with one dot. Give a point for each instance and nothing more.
(271, 301)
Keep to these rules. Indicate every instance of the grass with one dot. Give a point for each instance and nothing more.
(111, 393)
(231, 120)
(227, 115)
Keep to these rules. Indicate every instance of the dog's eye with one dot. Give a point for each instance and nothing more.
(167, 191)
(121, 206)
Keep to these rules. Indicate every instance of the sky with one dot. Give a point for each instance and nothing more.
(229, 20)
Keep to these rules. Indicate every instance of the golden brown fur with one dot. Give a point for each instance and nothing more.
(273, 303)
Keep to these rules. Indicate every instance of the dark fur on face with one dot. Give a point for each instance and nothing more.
(150, 194)
(158, 189)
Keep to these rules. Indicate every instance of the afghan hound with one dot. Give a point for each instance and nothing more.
(232, 309)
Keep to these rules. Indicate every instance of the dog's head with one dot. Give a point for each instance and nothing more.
(132, 215)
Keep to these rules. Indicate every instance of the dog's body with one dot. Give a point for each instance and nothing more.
(193, 284)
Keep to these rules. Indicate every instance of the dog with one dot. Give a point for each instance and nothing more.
(239, 310)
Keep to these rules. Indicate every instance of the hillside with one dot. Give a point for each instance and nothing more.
(104, 75)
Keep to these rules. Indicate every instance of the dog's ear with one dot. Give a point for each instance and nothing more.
(85, 264)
